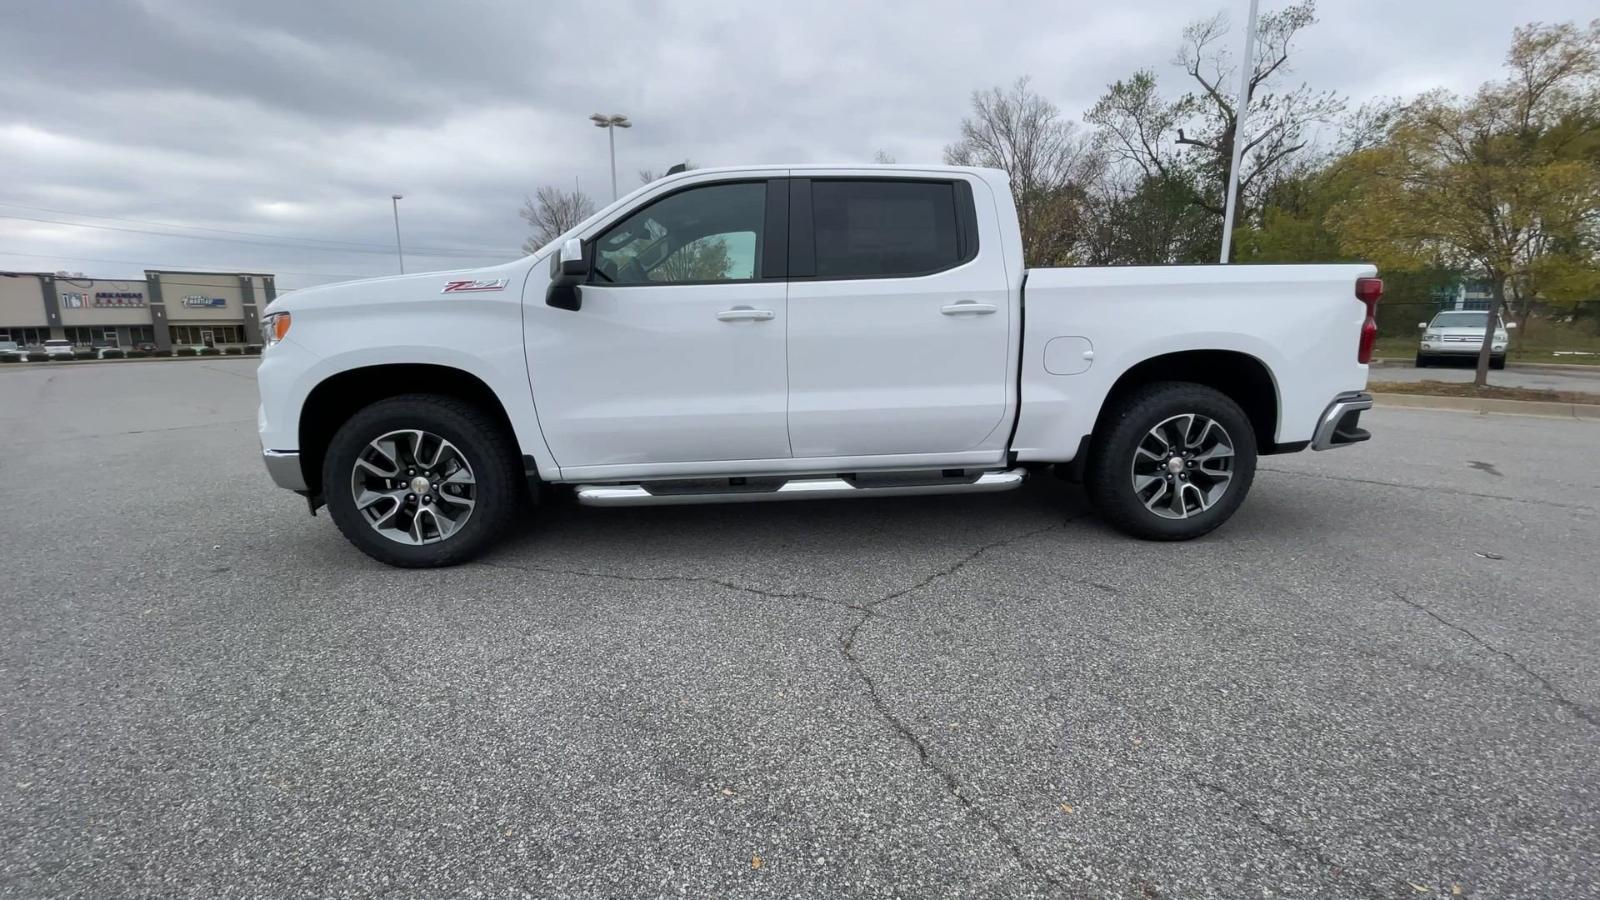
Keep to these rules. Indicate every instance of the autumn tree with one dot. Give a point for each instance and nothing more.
(1052, 164)
(552, 212)
(1505, 183)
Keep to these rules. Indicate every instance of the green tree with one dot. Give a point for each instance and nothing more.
(1505, 183)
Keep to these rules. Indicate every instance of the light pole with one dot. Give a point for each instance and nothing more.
(398, 250)
(1240, 107)
(610, 124)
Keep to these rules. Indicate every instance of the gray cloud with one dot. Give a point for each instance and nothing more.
(300, 117)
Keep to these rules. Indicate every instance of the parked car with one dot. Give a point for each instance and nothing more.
(145, 347)
(11, 350)
(59, 350)
(1458, 334)
(726, 335)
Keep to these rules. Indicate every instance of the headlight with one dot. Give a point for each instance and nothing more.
(274, 327)
(1431, 336)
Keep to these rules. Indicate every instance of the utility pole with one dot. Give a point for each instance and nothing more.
(611, 123)
(1247, 67)
(399, 251)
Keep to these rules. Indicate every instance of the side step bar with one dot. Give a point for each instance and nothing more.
(792, 489)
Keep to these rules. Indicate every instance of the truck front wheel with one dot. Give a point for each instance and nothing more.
(1171, 461)
(421, 480)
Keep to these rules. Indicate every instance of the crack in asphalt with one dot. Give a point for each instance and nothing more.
(1554, 693)
(952, 785)
(1284, 835)
(868, 611)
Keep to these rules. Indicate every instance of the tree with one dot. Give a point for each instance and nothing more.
(552, 212)
(883, 158)
(1505, 183)
(1050, 162)
(1187, 143)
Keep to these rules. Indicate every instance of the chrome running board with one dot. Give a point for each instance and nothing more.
(738, 490)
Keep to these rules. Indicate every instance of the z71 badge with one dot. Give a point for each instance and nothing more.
(464, 287)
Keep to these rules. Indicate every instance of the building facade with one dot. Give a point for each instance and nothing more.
(167, 309)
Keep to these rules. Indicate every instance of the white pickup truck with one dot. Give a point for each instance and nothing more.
(801, 332)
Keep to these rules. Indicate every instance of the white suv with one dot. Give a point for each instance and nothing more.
(1458, 333)
(58, 350)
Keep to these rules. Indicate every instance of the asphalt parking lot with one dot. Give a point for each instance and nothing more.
(1382, 679)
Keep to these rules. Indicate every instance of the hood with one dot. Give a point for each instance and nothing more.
(504, 280)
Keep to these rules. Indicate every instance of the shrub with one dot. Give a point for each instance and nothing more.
(252, 350)
(38, 356)
(206, 351)
(82, 353)
(12, 357)
(232, 351)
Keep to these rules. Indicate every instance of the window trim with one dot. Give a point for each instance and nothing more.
(803, 229)
(591, 245)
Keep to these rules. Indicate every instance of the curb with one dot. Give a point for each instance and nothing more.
(1542, 408)
(1400, 362)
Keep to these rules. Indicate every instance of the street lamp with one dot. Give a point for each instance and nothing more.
(610, 124)
(1240, 107)
(395, 199)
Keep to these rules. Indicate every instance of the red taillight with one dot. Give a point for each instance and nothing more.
(1369, 291)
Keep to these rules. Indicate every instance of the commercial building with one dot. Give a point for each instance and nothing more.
(168, 308)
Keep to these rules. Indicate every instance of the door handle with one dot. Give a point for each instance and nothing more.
(968, 308)
(744, 314)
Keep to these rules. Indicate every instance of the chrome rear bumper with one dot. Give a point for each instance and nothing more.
(284, 467)
(1340, 422)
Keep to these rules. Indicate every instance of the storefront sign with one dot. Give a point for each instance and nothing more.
(205, 302)
(72, 301)
(118, 298)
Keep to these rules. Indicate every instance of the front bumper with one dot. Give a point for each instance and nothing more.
(1340, 424)
(284, 467)
(1458, 348)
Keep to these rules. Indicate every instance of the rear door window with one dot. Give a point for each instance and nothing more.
(886, 228)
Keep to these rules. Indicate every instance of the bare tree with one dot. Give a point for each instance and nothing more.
(1050, 162)
(552, 212)
(883, 158)
(1188, 142)
(648, 175)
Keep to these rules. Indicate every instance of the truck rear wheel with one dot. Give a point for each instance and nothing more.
(1172, 461)
(421, 480)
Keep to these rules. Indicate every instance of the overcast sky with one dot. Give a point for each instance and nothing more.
(296, 119)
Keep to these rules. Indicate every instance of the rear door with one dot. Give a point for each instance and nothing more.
(898, 319)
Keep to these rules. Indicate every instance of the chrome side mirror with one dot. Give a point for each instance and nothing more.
(1510, 325)
(1422, 325)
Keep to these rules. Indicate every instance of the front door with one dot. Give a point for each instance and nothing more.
(899, 321)
(676, 354)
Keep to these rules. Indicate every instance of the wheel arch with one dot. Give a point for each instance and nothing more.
(339, 396)
(1242, 377)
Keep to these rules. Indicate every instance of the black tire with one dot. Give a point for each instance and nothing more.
(1497, 362)
(1423, 361)
(481, 439)
(1109, 473)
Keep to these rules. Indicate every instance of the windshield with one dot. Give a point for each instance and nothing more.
(58, 343)
(1461, 320)
(8, 345)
